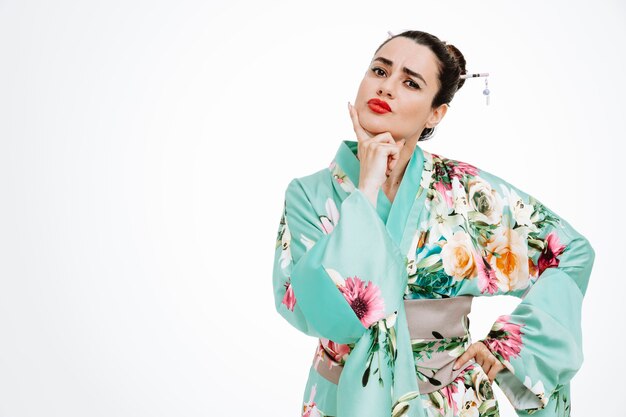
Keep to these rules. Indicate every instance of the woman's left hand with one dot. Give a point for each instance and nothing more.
(483, 356)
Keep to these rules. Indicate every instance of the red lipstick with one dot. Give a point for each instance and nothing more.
(379, 106)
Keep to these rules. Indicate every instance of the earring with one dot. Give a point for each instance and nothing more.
(486, 91)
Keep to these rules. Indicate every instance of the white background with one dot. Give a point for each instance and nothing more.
(144, 151)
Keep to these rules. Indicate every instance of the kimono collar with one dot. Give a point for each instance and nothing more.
(346, 166)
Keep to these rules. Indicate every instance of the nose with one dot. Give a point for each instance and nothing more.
(385, 88)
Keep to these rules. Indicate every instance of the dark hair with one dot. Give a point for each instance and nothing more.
(451, 65)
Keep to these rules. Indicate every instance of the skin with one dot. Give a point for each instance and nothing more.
(386, 141)
(380, 135)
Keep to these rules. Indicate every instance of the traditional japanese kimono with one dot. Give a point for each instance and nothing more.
(387, 290)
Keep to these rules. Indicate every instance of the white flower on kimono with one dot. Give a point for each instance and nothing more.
(441, 222)
(309, 409)
(457, 256)
(465, 400)
(537, 389)
(521, 210)
(480, 381)
(508, 255)
(427, 176)
(341, 177)
(469, 405)
(484, 200)
(459, 198)
(329, 221)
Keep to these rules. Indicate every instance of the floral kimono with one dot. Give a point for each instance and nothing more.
(365, 279)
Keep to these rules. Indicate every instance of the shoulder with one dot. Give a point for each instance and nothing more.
(449, 171)
(318, 181)
(312, 189)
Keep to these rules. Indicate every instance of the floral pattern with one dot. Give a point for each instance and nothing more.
(468, 235)
(474, 235)
(327, 223)
(470, 394)
(309, 409)
(505, 339)
(423, 349)
(364, 299)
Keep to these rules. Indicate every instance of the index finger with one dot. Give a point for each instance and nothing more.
(361, 134)
(466, 356)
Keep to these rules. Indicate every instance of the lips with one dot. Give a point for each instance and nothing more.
(379, 106)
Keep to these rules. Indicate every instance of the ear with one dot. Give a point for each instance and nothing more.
(436, 115)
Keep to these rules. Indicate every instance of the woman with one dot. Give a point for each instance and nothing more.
(380, 254)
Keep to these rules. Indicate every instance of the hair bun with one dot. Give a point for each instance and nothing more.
(460, 60)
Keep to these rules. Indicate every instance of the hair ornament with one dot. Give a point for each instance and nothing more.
(480, 74)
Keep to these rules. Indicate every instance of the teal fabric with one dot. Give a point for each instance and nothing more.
(342, 269)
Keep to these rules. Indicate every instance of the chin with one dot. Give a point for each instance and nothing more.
(377, 129)
(374, 125)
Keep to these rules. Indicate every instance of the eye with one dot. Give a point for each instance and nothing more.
(377, 69)
(417, 87)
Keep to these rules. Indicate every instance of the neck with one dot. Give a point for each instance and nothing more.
(395, 177)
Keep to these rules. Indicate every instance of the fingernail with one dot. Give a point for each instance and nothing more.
(456, 365)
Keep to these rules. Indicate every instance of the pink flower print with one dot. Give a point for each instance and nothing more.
(365, 300)
(446, 192)
(487, 280)
(445, 171)
(337, 351)
(441, 178)
(449, 392)
(289, 299)
(553, 248)
(458, 169)
(505, 337)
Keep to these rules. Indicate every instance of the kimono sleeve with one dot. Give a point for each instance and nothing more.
(327, 270)
(537, 256)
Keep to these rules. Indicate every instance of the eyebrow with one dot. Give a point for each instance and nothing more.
(406, 70)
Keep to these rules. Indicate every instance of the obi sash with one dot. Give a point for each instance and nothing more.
(432, 323)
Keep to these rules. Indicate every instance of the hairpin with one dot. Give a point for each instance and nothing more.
(480, 74)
